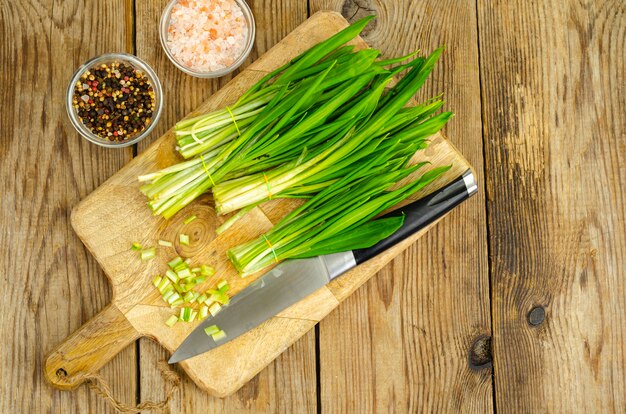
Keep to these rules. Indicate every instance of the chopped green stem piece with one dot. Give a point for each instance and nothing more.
(197, 279)
(189, 219)
(218, 336)
(177, 303)
(163, 285)
(218, 296)
(210, 330)
(195, 270)
(168, 293)
(175, 262)
(184, 273)
(188, 297)
(193, 315)
(136, 246)
(181, 266)
(185, 314)
(207, 270)
(148, 254)
(171, 275)
(171, 321)
(202, 298)
(214, 309)
(165, 243)
(156, 281)
(203, 312)
(184, 239)
(222, 286)
(173, 298)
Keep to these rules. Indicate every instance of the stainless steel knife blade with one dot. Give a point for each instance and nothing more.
(281, 287)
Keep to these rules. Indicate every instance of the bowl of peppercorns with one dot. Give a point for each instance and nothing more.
(114, 100)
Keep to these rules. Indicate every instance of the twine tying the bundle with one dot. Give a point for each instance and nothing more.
(234, 120)
(271, 247)
(269, 189)
(206, 170)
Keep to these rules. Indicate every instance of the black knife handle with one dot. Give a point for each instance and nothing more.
(421, 213)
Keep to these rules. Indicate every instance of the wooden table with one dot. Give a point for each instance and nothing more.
(515, 302)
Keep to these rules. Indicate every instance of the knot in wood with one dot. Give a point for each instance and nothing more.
(480, 353)
(536, 316)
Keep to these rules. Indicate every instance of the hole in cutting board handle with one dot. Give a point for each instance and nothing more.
(87, 350)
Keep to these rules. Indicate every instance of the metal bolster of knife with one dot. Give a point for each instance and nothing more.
(423, 212)
(339, 263)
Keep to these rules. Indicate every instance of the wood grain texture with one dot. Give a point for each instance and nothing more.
(288, 384)
(411, 327)
(89, 348)
(51, 285)
(555, 144)
(107, 235)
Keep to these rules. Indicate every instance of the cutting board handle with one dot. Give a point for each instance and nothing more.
(89, 348)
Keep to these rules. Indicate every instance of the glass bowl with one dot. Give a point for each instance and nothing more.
(108, 59)
(164, 25)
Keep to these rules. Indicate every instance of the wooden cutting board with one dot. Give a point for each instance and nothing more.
(115, 215)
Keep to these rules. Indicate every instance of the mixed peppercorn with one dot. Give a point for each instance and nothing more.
(114, 101)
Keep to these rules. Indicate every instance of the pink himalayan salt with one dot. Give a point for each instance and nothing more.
(207, 35)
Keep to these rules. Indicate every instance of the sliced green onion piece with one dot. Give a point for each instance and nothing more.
(185, 314)
(193, 315)
(189, 219)
(218, 335)
(163, 285)
(171, 321)
(175, 262)
(184, 273)
(188, 297)
(178, 288)
(195, 270)
(222, 286)
(196, 280)
(173, 298)
(214, 309)
(184, 239)
(210, 330)
(207, 270)
(136, 246)
(165, 243)
(181, 266)
(156, 281)
(171, 275)
(202, 298)
(168, 294)
(203, 312)
(218, 296)
(148, 254)
(177, 303)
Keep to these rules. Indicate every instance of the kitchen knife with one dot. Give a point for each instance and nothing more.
(293, 280)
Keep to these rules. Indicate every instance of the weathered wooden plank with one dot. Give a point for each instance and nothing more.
(555, 145)
(51, 284)
(289, 383)
(401, 343)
